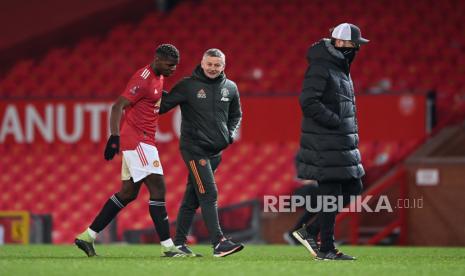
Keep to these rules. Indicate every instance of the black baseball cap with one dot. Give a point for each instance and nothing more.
(351, 32)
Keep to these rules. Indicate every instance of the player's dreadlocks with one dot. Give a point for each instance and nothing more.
(167, 51)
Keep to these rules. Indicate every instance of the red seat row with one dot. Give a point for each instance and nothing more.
(47, 179)
(265, 45)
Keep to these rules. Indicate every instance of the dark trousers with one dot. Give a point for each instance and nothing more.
(327, 219)
(308, 218)
(201, 191)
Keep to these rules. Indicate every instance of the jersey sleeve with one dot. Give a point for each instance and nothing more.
(173, 98)
(235, 116)
(134, 91)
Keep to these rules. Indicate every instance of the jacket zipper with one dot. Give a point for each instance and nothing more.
(212, 87)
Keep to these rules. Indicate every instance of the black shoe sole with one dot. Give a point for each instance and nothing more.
(336, 259)
(323, 259)
(84, 246)
(224, 254)
(191, 254)
(173, 255)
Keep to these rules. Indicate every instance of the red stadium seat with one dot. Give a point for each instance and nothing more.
(265, 40)
(266, 57)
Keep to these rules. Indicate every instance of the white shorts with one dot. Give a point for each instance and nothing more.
(140, 162)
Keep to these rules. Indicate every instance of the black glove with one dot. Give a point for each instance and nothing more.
(112, 147)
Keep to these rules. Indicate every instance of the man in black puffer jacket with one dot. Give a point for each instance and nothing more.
(329, 141)
(211, 115)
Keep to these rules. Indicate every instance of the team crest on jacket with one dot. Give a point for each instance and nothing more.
(224, 94)
(133, 90)
(203, 162)
(201, 94)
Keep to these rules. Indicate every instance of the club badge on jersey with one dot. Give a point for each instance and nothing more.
(133, 90)
(201, 94)
(225, 94)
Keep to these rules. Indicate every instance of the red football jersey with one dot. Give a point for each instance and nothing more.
(144, 91)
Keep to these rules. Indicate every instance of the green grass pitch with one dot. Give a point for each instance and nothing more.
(267, 260)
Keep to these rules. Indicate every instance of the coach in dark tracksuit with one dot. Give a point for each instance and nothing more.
(329, 140)
(211, 115)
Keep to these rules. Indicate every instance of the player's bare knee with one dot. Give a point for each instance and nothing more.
(129, 191)
(156, 185)
(127, 194)
(157, 193)
(126, 197)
